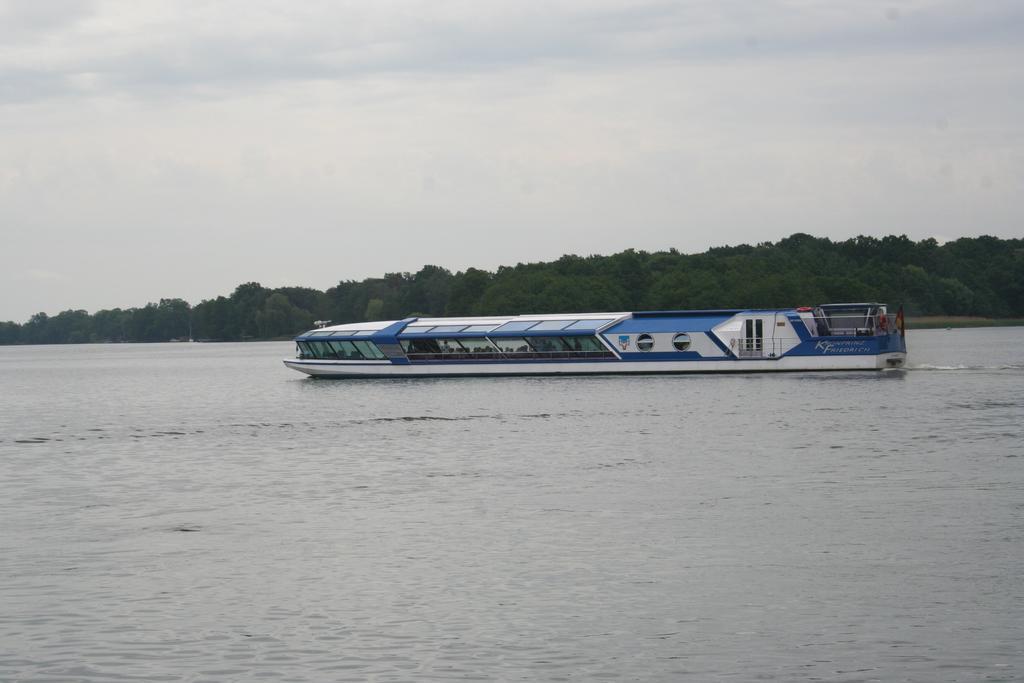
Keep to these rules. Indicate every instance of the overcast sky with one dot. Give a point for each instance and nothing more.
(156, 149)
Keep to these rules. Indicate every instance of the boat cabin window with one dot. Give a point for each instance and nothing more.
(584, 343)
(511, 344)
(477, 345)
(321, 349)
(681, 341)
(449, 328)
(498, 348)
(480, 328)
(369, 350)
(547, 344)
(421, 346)
(645, 342)
(345, 350)
(340, 349)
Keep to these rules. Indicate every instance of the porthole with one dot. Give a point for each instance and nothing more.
(681, 341)
(645, 342)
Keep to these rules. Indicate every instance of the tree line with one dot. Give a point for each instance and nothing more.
(979, 276)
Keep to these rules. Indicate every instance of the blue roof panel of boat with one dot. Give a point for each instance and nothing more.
(678, 323)
(683, 314)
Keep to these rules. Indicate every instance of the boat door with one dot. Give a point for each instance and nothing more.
(752, 343)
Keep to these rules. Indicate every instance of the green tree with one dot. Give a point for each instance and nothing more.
(280, 318)
(10, 333)
(466, 291)
(374, 309)
(968, 276)
(243, 315)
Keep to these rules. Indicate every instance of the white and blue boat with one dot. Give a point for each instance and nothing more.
(860, 336)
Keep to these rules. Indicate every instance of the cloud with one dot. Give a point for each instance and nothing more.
(71, 48)
(24, 20)
(40, 275)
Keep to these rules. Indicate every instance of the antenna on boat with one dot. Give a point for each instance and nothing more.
(321, 323)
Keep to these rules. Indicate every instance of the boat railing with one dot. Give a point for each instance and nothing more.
(763, 347)
(852, 325)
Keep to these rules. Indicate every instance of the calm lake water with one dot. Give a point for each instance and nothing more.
(197, 512)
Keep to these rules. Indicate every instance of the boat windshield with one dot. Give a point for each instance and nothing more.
(846, 320)
(336, 349)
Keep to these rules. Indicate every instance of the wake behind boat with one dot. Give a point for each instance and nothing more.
(861, 336)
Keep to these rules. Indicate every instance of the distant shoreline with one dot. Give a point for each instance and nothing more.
(925, 322)
(931, 322)
(967, 282)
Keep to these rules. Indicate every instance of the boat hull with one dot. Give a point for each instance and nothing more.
(348, 369)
